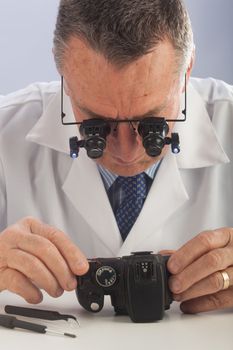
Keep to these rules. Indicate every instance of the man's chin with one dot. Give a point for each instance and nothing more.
(127, 169)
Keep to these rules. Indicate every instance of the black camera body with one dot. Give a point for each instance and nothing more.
(137, 285)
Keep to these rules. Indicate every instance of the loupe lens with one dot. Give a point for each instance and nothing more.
(153, 145)
(95, 147)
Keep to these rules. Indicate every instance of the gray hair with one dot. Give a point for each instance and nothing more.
(124, 30)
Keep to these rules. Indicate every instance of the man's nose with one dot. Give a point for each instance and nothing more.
(126, 136)
(125, 131)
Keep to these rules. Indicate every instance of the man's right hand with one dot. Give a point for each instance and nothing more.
(36, 256)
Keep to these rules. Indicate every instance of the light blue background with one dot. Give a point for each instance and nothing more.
(26, 30)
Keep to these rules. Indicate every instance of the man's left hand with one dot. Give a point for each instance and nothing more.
(198, 268)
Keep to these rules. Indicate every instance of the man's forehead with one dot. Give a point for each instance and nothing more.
(155, 111)
(85, 63)
(100, 89)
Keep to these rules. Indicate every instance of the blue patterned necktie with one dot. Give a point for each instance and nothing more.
(134, 192)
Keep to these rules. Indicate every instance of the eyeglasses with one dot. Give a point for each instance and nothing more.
(114, 123)
(153, 131)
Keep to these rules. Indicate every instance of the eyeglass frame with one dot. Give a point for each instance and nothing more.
(130, 121)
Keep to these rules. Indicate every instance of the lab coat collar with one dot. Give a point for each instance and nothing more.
(200, 146)
(49, 131)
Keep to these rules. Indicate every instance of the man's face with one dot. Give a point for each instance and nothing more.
(97, 88)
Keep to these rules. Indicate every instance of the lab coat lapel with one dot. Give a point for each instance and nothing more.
(83, 184)
(84, 188)
(166, 196)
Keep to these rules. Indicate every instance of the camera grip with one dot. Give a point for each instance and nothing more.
(90, 296)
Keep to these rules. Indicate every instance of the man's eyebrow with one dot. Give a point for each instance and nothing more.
(154, 112)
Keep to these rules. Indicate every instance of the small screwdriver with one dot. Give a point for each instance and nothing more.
(12, 322)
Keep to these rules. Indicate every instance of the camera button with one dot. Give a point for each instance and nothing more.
(94, 306)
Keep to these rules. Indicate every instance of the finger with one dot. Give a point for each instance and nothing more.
(220, 300)
(17, 283)
(48, 253)
(33, 269)
(166, 252)
(70, 252)
(198, 246)
(210, 285)
(215, 260)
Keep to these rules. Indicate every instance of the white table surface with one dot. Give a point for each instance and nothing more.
(102, 331)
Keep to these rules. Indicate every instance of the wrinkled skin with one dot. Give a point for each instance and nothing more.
(35, 256)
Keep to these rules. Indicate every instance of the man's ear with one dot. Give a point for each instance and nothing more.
(53, 53)
(65, 87)
(58, 70)
(191, 64)
(190, 67)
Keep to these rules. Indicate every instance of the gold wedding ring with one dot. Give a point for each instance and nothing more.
(226, 279)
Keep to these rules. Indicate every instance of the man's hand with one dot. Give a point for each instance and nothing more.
(196, 267)
(36, 256)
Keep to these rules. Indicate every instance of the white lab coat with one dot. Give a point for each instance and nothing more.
(192, 191)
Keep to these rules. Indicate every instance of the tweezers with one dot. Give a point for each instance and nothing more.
(37, 313)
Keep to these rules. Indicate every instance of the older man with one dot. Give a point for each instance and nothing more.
(127, 99)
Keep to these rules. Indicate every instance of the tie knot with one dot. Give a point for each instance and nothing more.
(133, 186)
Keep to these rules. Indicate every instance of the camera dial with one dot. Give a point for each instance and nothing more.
(106, 276)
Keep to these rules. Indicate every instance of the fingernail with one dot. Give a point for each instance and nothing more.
(82, 265)
(175, 286)
(59, 292)
(35, 299)
(176, 297)
(173, 266)
(184, 307)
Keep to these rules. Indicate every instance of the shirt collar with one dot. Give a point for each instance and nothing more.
(109, 177)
